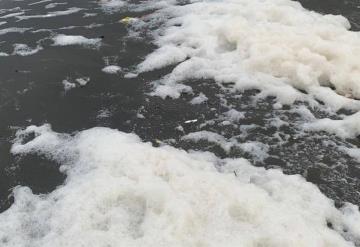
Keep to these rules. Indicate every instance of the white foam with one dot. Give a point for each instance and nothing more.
(13, 30)
(111, 5)
(121, 192)
(25, 50)
(111, 69)
(69, 11)
(258, 150)
(210, 137)
(199, 99)
(68, 85)
(234, 115)
(352, 152)
(130, 75)
(39, 2)
(83, 81)
(89, 15)
(65, 40)
(172, 90)
(53, 5)
(349, 127)
(104, 113)
(276, 46)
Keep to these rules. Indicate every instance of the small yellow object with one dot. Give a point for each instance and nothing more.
(127, 20)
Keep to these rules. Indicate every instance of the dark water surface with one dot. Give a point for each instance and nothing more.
(31, 92)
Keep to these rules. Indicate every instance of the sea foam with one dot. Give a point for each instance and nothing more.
(122, 192)
(276, 46)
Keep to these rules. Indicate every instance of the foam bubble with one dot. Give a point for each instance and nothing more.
(51, 14)
(348, 127)
(120, 191)
(68, 85)
(53, 5)
(258, 150)
(276, 46)
(234, 115)
(199, 99)
(24, 50)
(39, 2)
(65, 40)
(111, 69)
(13, 30)
(111, 5)
(83, 81)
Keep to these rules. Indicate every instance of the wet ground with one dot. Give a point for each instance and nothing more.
(32, 92)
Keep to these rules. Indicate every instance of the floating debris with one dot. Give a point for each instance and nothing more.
(128, 20)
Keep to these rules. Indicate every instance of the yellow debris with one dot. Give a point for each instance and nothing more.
(128, 20)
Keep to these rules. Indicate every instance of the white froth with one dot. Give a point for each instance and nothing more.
(83, 81)
(234, 115)
(111, 69)
(130, 75)
(349, 127)
(39, 2)
(68, 85)
(53, 5)
(210, 137)
(65, 40)
(276, 46)
(199, 99)
(89, 15)
(13, 30)
(258, 150)
(51, 14)
(25, 50)
(172, 90)
(121, 192)
(111, 5)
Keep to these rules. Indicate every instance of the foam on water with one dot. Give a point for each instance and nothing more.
(112, 5)
(68, 85)
(276, 46)
(50, 14)
(24, 50)
(13, 30)
(39, 2)
(53, 5)
(256, 149)
(83, 81)
(65, 40)
(120, 191)
(111, 69)
(199, 99)
(349, 127)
